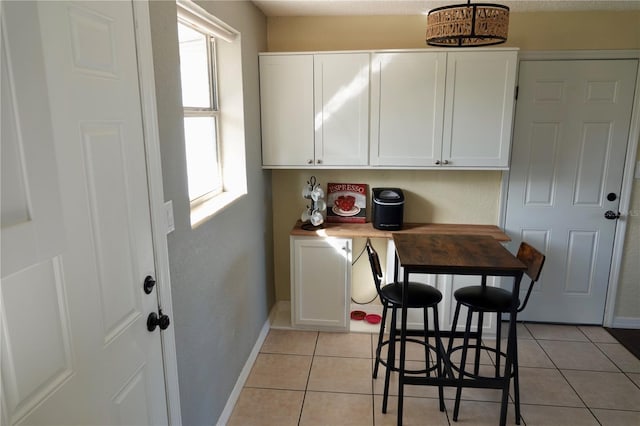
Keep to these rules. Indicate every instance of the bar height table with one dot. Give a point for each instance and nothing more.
(456, 255)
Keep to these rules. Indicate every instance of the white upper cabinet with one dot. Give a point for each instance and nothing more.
(341, 90)
(315, 110)
(407, 107)
(428, 108)
(478, 109)
(286, 94)
(442, 109)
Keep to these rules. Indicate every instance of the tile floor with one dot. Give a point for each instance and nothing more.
(569, 375)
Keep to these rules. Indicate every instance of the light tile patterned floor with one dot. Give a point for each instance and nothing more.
(569, 376)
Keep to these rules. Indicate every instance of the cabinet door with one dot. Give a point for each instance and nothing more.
(320, 283)
(407, 101)
(286, 98)
(479, 108)
(341, 109)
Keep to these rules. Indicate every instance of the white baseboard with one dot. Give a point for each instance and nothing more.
(244, 374)
(280, 316)
(626, 322)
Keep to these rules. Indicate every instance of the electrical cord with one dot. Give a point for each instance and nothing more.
(353, 263)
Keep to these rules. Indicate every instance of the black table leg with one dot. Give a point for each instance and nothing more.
(403, 344)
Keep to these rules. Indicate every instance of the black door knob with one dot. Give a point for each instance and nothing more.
(148, 284)
(612, 196)
(158, 320)
(611, 215)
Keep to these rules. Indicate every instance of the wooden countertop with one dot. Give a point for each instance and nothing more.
(366, 230)
(455, 254)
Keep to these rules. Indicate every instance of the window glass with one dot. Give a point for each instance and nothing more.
(202, 156)
(194, 67)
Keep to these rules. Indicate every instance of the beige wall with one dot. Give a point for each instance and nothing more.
(431, 196)
(528, 31)
(445, 196)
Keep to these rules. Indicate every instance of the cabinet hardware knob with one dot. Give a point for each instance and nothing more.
(437, 162)
(309, 161)
(445, 162)
(319, 161)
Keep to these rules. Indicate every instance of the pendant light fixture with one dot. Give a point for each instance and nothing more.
(468, 25)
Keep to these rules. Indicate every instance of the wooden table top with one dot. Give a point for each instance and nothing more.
(366, 230)
(465, 254)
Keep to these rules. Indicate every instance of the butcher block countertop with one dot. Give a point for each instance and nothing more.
(366, 230)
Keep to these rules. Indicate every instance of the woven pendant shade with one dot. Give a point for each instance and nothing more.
(468, 25)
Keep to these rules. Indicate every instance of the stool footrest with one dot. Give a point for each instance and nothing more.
(394, 368)
(465, 373)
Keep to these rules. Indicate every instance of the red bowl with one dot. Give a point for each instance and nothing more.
(373, 318)
(358, 315)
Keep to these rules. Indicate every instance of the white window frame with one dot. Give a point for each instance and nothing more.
(207, 112)
(229, 114)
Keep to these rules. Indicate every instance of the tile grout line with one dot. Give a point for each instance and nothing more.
(373, 393)
(579, 396)
(565, 377)
(306, 386)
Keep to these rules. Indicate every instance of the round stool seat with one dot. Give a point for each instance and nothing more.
(488, 299)
(420, 295)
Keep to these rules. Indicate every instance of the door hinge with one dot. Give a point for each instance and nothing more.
(517, 90)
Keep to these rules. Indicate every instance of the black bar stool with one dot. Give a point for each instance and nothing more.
(482, 299)
(420, 296)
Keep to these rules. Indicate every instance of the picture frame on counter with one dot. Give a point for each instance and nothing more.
(347, 202)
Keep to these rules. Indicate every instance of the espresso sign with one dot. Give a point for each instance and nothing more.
(347, 202)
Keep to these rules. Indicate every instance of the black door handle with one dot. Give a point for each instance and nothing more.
(158, 320)
(611, 215)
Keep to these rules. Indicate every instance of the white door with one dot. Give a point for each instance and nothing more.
(570, 139)
(76, 236)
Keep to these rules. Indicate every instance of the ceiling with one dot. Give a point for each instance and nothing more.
(416, 7)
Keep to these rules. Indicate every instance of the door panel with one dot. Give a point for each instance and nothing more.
(76, 235)
(37, 351)
(104, 150)
(581, 256)
(570, 139)
(31, 210)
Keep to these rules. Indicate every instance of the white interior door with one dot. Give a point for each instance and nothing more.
(76, 235)
(570, 139)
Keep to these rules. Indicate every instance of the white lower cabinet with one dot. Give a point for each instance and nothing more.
(320, 283)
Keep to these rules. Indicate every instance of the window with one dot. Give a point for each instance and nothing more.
(210, 57)
(201, 114)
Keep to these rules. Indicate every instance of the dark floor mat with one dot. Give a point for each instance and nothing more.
(629, 338)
